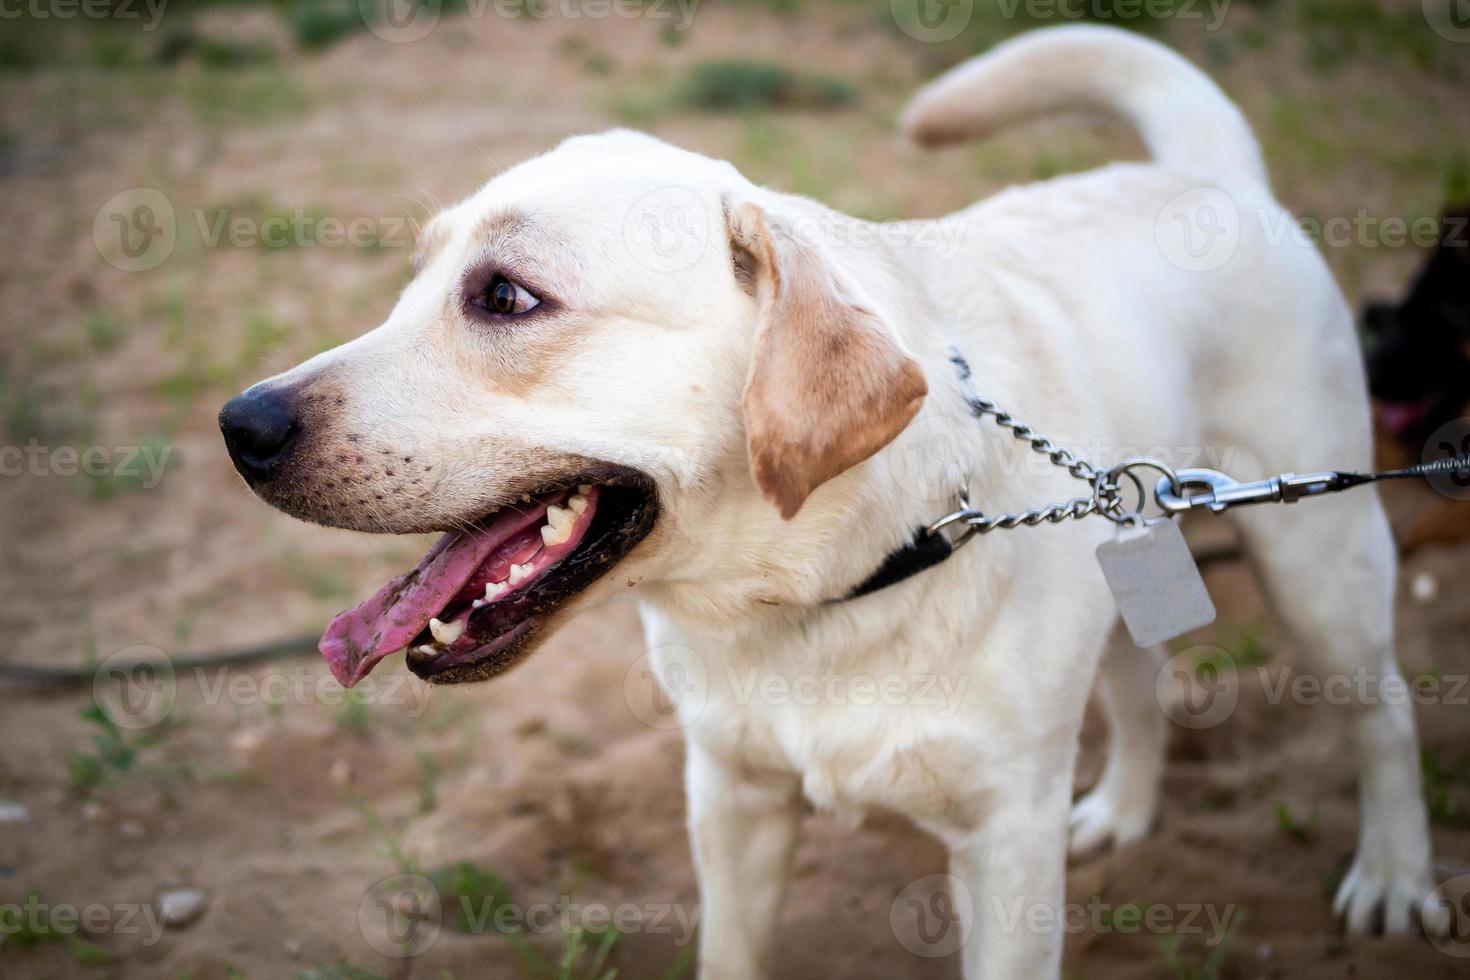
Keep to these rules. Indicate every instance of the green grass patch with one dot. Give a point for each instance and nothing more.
(1336, 32)
(318, 24)
(114, 754)
(341, 970)
(583, 956)
(733, 84)
(1446, 788)
(470, 897)
(1298, 831)
(1206, 964)
(104, 332)
(246, 98)
(36, 923)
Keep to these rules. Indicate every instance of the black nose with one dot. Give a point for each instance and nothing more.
(260, 428)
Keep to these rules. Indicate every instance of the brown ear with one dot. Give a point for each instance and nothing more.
(827, 387)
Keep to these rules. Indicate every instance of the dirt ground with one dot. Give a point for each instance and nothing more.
(287, 804)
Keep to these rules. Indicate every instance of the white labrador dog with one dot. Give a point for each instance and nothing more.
(621, 366)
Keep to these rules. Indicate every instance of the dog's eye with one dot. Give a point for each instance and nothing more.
(507, 298)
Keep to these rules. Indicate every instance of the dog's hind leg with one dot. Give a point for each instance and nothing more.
(1330, 568)
(1120, 809)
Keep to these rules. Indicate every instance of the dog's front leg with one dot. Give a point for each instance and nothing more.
(1014, 869)
(743, 832)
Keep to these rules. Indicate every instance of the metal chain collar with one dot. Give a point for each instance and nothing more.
(1106, 498)
(1174, 493)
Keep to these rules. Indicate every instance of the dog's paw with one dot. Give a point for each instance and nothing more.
(1374, 898)
(1101, 818)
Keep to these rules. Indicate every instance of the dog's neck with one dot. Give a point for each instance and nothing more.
(749, 569)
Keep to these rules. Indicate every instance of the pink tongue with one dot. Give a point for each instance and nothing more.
(1399, 417)
(357, 639)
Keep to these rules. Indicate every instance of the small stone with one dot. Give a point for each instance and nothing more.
(293, 948)
(13, 813)
(93, 812)
(132, 830)
(1424, 588)
(179, 907)
(247, 742)
(340, 773)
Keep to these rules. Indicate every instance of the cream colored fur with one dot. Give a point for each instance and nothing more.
(1063, 298)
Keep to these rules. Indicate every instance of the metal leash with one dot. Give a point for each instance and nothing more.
(1175, 492)
(1105, 497)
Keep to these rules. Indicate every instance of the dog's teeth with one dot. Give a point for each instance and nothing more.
(424, 649)
(446, 633)
(477, 603)
(578, 504)
(553, 535)
(560, 516)
(494, 590)
(519, 573)
(584, 488)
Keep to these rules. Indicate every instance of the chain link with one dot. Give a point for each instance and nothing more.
(1064, 458)
(1105, 498)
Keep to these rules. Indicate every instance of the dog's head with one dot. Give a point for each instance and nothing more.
(1419, 348)
(599, 351)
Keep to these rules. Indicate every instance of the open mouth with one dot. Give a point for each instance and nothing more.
(471, 608)
(1405, 418)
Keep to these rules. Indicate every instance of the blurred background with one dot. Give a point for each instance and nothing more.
(194, 196)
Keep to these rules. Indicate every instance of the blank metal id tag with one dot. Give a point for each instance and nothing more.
(1156, 582)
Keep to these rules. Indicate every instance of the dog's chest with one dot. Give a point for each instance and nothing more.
(906, 743)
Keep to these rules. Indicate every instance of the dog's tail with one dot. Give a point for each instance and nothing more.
(1187, 123)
